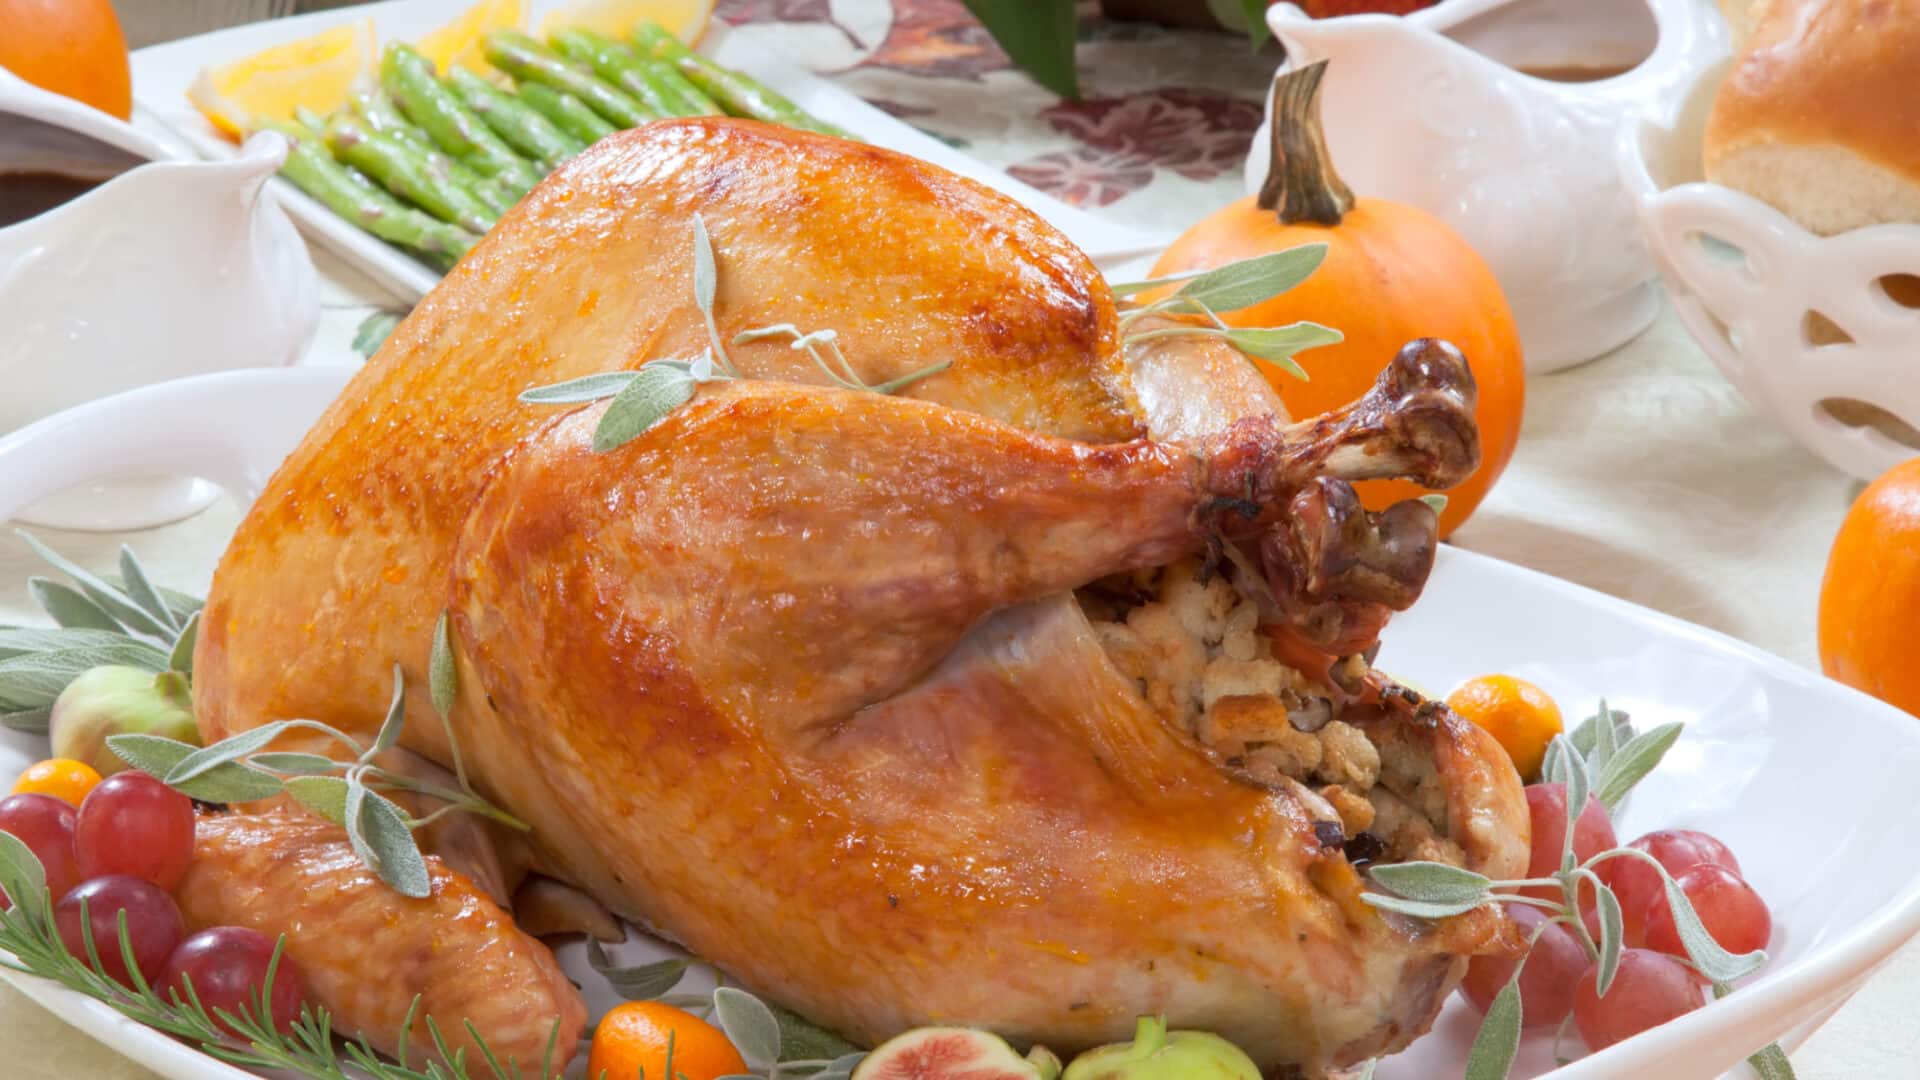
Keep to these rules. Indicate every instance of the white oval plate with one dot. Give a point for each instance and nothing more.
(162, 73)
(1807, 780)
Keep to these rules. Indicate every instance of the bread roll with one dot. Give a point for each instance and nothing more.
(1820, 114)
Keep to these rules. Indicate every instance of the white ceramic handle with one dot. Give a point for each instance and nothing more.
(230, 427)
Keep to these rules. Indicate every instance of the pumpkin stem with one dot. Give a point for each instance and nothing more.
(1301, 183)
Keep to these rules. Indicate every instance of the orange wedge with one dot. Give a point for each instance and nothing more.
(686, 19)
(458, 42)
(314, 72)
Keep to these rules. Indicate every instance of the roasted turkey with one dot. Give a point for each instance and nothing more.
(1035, 696)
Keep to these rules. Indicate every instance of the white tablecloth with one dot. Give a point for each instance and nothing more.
(1641, 474)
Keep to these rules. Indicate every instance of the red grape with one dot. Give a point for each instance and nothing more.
(1546, 983)
(1639, 886)
(134, 824)
(1648, 990)
(227, 965)
(1592, 834)
(154, 925)
(1728, 907)
(45, 825)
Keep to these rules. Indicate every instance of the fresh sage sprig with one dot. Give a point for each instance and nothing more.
(309, 1047)
(119, 619)
(240, 768)
(644, 397)
(1603, 757)
(1232, 287)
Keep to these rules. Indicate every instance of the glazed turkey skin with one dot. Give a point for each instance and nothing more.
(804, 677)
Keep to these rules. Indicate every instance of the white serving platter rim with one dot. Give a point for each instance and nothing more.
(162, 73)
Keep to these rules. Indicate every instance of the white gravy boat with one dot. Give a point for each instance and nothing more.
(1436, 109)
(169, 267)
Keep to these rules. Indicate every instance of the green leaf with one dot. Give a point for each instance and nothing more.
(803, 1040)
(1576, 784)
(642, 982)
(1419, 909)
(1771, 1063)
(294, 762)
(396, 718)
(154, 755)
(1038, 38)
(1435, 503)
(181, 658)
(18, 640)
(31, 680)
(1498, 1040)
(142, 592)
(1635, 760)
(1714, 962)
(443, 678)
(1277, 345)
(1586, 734)
(586, 388)
(749, 1024)
(1252, 281)
(1604, 746)
(22, 877)
(108, 598)
(324, 795)
(1129, 288)
(231, 782)
(66, 606)
(706, 278)
(231, 748)
(1612, 931)
(1433, 882)
(654, 392)
(373, 332)
(1256, 14)
(377, 831)
(33, 721)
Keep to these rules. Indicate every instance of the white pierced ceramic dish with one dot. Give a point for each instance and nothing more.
(162, 73)
(1807, 780)
(1822, 333)
(1437, 109)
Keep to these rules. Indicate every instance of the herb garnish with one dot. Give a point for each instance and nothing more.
(1605, 758)
(1232, 287)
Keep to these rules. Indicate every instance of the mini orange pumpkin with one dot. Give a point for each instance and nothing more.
(1392, 273)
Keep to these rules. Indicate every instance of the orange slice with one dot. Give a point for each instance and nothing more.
(314, 72)
(685, 19)
(459, 42)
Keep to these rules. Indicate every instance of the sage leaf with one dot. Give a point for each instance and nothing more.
(1612, 933)
(1640, 756)
(1771, 1063)
(654, 392)
(1605, 744)
(294, 762)
(229, 782)
(34, 721)
(803, 1040)
(573, 391)
(1436, 503)
(20, 640)
(641, 982)
(231, 748)
(1252, 281)
(154, 755)
(1277, 345)
(181, 658)
(110, 599)
(67, 607)
(749, 1024)
(377, 831)
(374, 331)
(142, 592)
(1129, 288)
(1433, 882)
(34, 679)
(22, 878)
(324, 795)
(1576, 800)
(706, 277)
(443, 679)
(1498, 1040)
(1714, 962)
(1554, 765)
(1419, 909)
(396, 718)
(1585, 735)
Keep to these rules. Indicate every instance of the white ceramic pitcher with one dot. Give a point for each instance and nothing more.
(1432, 109)
(170, 267)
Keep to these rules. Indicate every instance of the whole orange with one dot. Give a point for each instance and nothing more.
(632, 1041)
(1392, 273)
(71, 47)
(1870, 600)
(1520, 716)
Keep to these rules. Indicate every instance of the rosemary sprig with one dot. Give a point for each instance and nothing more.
(643, 398)
(1237, 285)
(308, 1047)
(119, 619)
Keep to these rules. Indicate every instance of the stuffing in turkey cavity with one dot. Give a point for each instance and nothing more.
(1193, 646)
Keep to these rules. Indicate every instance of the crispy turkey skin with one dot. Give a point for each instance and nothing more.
(798, 676)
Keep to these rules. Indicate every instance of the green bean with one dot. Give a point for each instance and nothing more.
(529, 61)
(404, 171)
(524, 129)
(739, 94)
(349, 193)
(567, 112)
(410, 78)
(618, 65)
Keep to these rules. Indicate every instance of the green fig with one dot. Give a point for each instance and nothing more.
(953, 1054)
(118, 700)
(1156, 1054)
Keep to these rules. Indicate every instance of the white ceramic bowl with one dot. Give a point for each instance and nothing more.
(1804, 326)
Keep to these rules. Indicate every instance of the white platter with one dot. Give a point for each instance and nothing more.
(162, 73)
(1808, 781)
